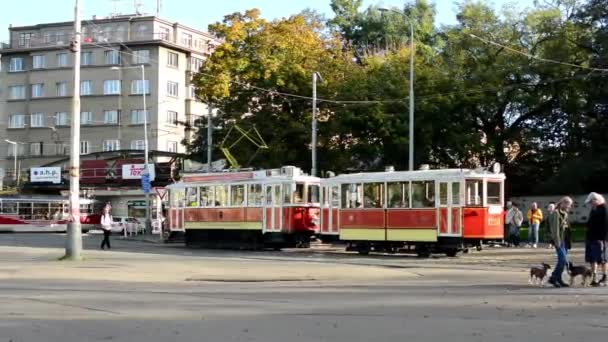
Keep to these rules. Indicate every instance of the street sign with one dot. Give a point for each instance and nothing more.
(161, 192)
(145, 183)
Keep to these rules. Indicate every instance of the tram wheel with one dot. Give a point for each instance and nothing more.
(363, 249)
(451, 252)
(479, 248)
(423, 252)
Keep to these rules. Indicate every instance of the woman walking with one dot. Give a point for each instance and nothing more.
(558, 224)
(106, 225)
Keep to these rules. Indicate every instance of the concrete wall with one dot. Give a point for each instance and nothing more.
(578, 214)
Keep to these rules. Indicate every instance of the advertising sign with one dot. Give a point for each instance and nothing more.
(135, 171)
(45, 174)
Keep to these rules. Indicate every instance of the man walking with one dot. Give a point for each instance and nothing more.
(514, 219)
(535, 216)
(558, 223)
(597, 229)
(106, 225)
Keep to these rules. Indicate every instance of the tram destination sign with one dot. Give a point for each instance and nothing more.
(45, 175)
(136, 171)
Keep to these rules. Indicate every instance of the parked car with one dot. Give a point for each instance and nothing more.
(131, 224)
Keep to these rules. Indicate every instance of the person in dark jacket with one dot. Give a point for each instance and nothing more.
(558, 223)
(596, 236)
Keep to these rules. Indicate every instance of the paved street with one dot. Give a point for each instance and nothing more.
(152, 292)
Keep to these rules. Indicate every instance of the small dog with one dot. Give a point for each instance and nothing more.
(538, 274)
(582, 271)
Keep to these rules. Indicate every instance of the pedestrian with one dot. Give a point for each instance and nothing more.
(596, 236)
(106, 225)
(550, 210)
(558, 223)
(535, 216)
(514, 219)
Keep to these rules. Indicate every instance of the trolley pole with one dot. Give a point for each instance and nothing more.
(209, 136)
(315, 76)
(73, 247)
(411, 154)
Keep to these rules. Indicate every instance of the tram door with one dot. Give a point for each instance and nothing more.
(450, 209)
(177, 207)
(273, 213)
(329, 210)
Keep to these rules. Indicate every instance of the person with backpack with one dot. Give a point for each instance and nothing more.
(106, 225)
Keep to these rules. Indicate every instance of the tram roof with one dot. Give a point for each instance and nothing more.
(418, 175)
(284, 174)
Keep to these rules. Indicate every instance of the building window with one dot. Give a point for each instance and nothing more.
(172, 146)
(111, 87)
(172, 59)
(172, 88)
(84, 147)
(112, 57)
(62, 88)
(37, 120)
(16, 64)
(141, 56)
(165, 33)
(16, 121)
(171, 117)
(62, 119)
(18, 149)
(138, 145)
(86, 58)
(186, 39)
(36, 149)
(38, 61)
(16, 92)
(137, 116)
(61, 149)
(25, 39)
(140, 87)
(86, 87)
(86, 118)
(111, 145)
(62, 60)
(196, 64)
(110, 117)
(38, 90)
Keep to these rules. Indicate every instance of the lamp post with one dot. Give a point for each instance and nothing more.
(14, 143)
(411, 96)
(315, 76)
(146, 173)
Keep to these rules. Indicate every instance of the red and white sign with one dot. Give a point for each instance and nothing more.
(135, 171)
(161, 192)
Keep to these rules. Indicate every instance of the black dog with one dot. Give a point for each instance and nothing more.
(582, 271)
(539, 273)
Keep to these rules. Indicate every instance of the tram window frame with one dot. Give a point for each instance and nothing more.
(268, 191)
(222, 195)
(477, 197)
(287, 193)
(314, 189)
(456, 196)
(298, 194)
(403, 195)
(208, 193)
(335, 196)
(352, 195)
(372, 198)
(427, 200)
(14, 206)
(497, 200)
(235, 190)
(255, 195)
(278, 200)
(443, 193)
(191, 192)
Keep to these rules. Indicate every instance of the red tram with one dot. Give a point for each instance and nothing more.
(248, 209)
(431, 210)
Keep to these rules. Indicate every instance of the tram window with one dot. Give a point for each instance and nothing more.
(335, 196)
(443, 193)
(373, 193)
(269, 194)
(313, 193)
(221, 195)
(494, 193)
(207, 195)
(287, 193)
(277, 194)
(9, 207)
(237, 195)
(352, 196)
(398, 195)
(25, 210)
(254, 195)
(456, 193)
(192, 197)
(473, 189)
(298, 195)
(423, 194)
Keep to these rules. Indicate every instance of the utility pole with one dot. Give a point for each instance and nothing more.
(411, 161)
(146, 148)
(315, 76)
(209, 136)
(73, 247)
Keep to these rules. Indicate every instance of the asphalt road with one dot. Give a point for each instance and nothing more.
(478, 297)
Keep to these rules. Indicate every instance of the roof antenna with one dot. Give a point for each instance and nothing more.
(158, 7)
(138, 5)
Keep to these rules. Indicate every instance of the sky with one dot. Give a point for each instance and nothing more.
(195, 13)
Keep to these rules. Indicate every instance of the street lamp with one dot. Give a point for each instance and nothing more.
(411, 145)
(315, 76)
(14, 143)
(146, 173)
